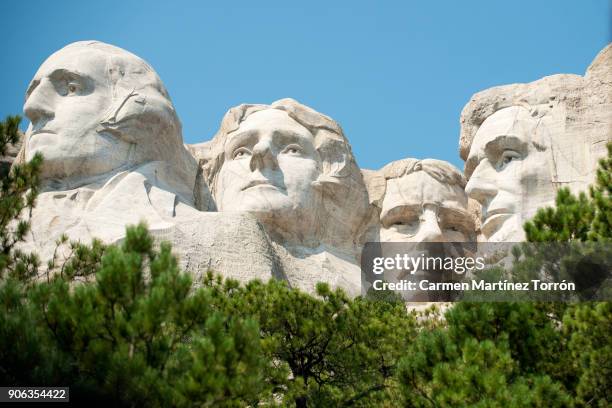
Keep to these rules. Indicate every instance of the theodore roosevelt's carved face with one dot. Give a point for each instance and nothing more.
(65, 102)
(269, 169)
(423, 212)
(419, 208)
(508, 174)
(424, 206)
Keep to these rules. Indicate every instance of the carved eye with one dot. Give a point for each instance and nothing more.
(68, 83)
(241, 153)
(455, 228)
(72, 87)
(507, 157)
(405, 223)
(293, 149)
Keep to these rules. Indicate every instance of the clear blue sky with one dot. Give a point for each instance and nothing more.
(395, 74)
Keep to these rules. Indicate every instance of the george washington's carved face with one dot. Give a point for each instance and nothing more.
(269, 169)
(507, 174)
(65, 102)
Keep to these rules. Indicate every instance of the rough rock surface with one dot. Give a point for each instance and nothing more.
(569, 117)
(234, 245)
(585, 119)
(411, 198)
(414, 202)
(112, 148)
(277, 193)
(293, 169)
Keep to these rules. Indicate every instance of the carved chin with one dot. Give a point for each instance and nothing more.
(270, 204)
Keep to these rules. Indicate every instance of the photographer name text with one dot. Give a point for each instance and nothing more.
(426, 285)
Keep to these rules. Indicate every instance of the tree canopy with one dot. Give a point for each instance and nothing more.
(134, 330)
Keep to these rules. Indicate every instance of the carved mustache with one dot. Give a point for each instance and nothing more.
(496, 211)
(40, 127)
(42, 130)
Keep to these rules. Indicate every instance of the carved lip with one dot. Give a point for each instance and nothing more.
(43, 130)
(259, 183)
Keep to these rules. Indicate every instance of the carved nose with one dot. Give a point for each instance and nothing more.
(429, 229)
(263, 157)
(38, 106)
(481, 186)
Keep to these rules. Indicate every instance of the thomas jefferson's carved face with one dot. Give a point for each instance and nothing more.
(419, 208)
(65, 102)
(269, 169)
(508, 175)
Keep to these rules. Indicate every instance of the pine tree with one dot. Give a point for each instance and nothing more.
(138, 335)
(601, 195)
(17, 196)
(326, 350)
(578, 218)
(588, 327)
(527, 354)
(136, 332)
(488, 355)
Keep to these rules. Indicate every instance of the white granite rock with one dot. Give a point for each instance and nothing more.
(277, 192)
(522, 142)
(420, 203)
(234, 245)
(293, 169)
(112, 148)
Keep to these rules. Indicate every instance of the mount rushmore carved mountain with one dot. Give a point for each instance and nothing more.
(277, 191)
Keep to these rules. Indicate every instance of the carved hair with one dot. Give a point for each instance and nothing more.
(338, 165)
(441, 171)
(540, 98)
(537, 117)
(141, 107)
(140, 110)
(345, 203)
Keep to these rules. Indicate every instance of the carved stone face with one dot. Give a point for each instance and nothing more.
(65, 102)
(269, 169)
(419, 208)
(508, 175)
